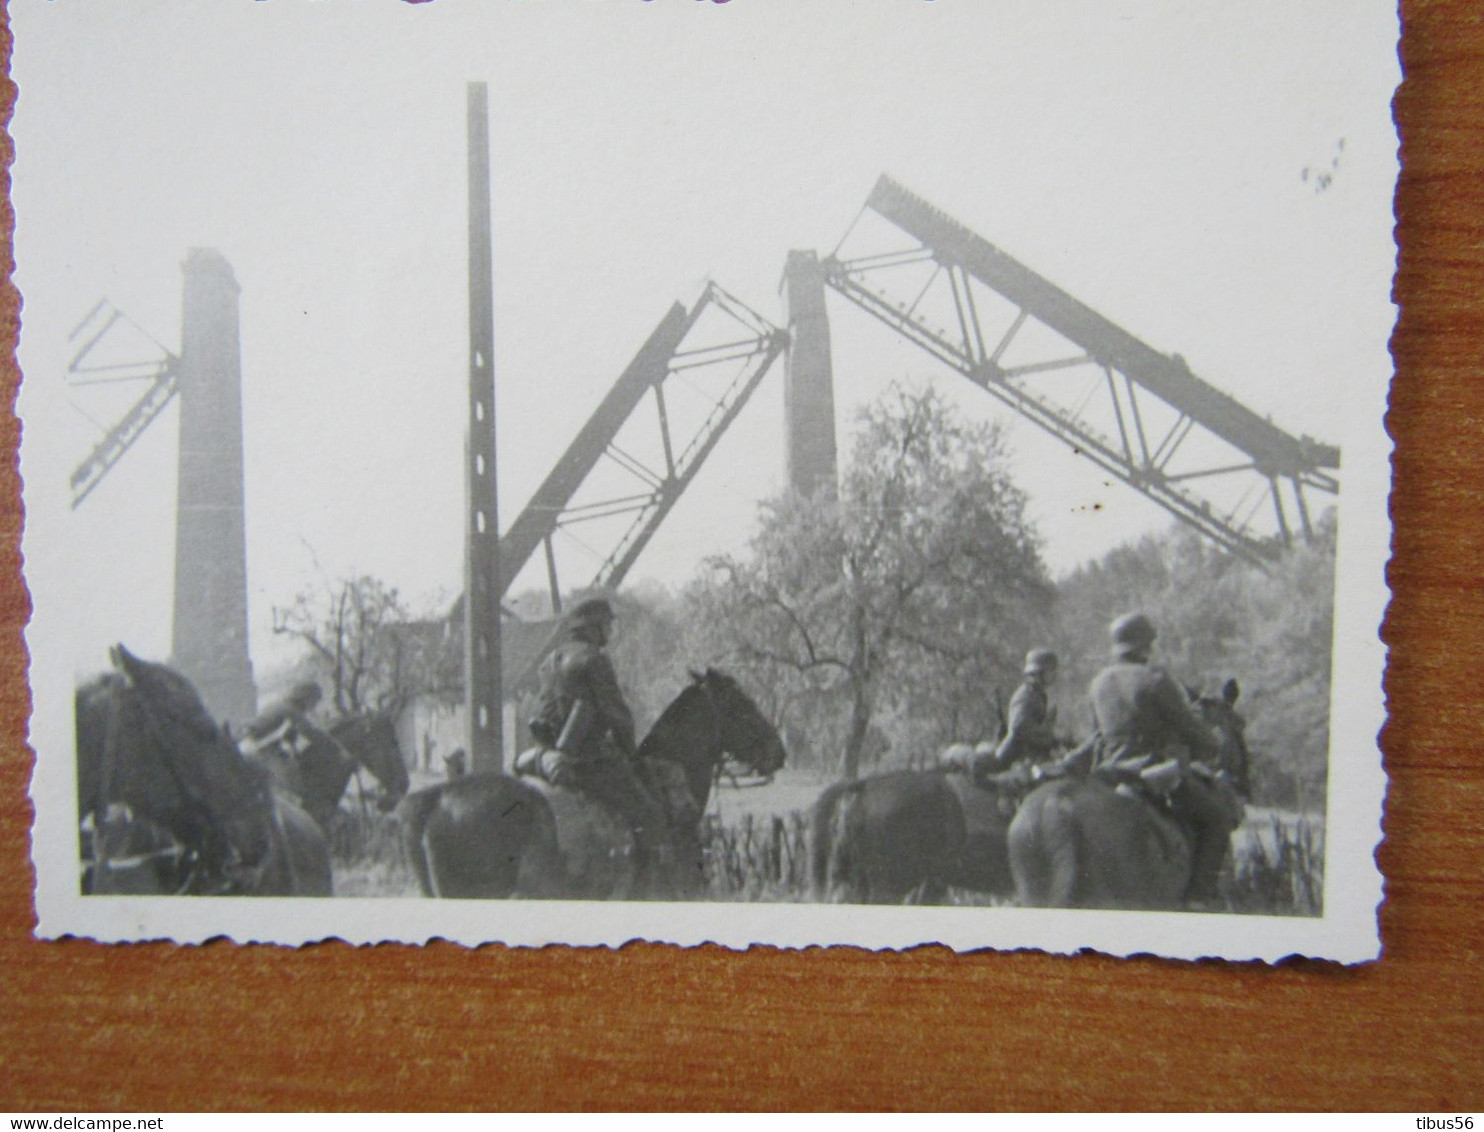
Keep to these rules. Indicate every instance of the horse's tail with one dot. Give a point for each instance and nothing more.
(412, 819)
(1043, 841)
(825, 842)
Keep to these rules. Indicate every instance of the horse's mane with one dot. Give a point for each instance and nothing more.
(669, 721)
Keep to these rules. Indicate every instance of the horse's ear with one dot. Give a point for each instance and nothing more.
(125, 661)
(1230, 691)
(696, 676)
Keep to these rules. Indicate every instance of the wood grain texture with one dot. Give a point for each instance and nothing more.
(156, 1027)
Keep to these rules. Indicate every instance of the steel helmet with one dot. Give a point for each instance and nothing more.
(1040, 660)
(593, 611)
(1132, 631)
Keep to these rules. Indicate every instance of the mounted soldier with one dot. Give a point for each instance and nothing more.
(1153, 741)
(1029, 735)
(588, 731)
(282, 732)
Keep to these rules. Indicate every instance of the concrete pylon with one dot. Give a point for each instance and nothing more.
(808, 378)
(209, 634)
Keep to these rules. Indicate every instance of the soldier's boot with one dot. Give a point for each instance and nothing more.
(624, 792)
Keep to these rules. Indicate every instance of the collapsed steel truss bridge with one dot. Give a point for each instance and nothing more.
(1140, 415)
(719, 336)
(1167, 429)
(161, 378)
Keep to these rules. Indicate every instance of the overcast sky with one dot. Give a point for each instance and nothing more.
(1149, 158)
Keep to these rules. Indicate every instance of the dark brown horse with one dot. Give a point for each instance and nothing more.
(488, 836)
(170, 804)
(914, 834)
(320, 773)
(910, 835)
(1081, 843)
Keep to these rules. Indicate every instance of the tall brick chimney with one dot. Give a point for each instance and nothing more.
(808, 377)
(209, 637)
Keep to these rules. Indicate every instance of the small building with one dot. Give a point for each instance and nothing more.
(432, 727)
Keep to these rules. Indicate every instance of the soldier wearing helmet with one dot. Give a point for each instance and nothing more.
(1145, 720)
(582, 715)
(1028, 724)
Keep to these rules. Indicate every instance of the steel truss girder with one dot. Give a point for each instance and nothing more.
(161, 373)
(757, 344)
(1133, 374)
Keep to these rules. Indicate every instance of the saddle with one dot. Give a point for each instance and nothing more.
(1009, 787)
(664, 780)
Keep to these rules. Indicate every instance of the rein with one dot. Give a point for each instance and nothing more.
(739, 773)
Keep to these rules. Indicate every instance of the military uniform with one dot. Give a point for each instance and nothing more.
(581, 670)
(593, 728)
(1144, 718)
(282, 724)
(280, 733)
(1028, 731)
(1028, 723)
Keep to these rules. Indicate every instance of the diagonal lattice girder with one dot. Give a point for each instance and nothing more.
(627, 467)
(1140, 415)
(85, 368)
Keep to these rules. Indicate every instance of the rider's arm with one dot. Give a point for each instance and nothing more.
(1174, 707)
(1026, 729)
(602, 684)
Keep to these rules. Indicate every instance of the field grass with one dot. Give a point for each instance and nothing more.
(1276, 866)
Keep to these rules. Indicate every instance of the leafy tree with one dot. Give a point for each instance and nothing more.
(369, 648)
(902, 601)
(1219, 617)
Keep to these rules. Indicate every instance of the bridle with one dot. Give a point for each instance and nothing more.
(739, 773)
(199, 871)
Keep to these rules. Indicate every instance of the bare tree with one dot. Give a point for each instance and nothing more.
(374, 654)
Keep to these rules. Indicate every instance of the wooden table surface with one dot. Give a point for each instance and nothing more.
(88, 1027)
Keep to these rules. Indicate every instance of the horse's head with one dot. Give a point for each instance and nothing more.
(1219, 713)
(172, 762)
(372, 741)
(747, 735)
(93, 703)
(710, 724)
(175, 703)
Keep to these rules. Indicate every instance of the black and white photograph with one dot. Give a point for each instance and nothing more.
(752, 472)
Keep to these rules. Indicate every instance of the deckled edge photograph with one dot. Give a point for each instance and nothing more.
(579, 475)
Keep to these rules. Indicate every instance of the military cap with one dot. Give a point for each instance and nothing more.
(1040, 660)
(1132, 630)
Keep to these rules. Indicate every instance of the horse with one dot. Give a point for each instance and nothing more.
(1083, 843)
(321, 771)
(914, 834)
(156, 770)
(490, 836)
(911, 834)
